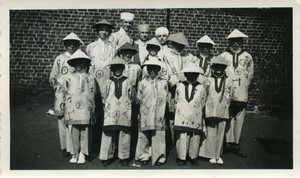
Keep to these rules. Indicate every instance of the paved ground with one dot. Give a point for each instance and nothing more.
(266, 140)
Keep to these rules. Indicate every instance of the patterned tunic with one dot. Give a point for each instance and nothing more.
(117, 111)
(240, 70)
(175, 63)
(60, 68)
(80, 94)
(152, 97)
(218, 97)
(101, 53)
(188, 116)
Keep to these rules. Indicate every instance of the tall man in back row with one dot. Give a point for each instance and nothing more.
(123, 35)
(240, 69)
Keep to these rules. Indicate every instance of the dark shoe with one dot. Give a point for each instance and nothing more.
(65, 153)
(227, 148)
(159, 164)
(237, 150)
(180, 162)
(145, 162)
(124, 162)
(194, 162)
(107, 162)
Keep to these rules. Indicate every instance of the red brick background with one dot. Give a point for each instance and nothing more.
(35, 37)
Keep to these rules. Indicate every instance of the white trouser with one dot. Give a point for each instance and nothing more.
(64, 135)
(157, 149)
(234, 128)
(108, 144)
(213, 144)
(80, 139)
(187, 143)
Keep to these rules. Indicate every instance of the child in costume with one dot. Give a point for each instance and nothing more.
(152, 97)
(80, 89)
(218, 87)
(117, 115)
(62, 68)
(189, 123)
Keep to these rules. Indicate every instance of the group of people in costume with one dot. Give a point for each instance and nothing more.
(155, 83)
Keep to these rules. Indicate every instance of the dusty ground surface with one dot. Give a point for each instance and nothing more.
(34, 145)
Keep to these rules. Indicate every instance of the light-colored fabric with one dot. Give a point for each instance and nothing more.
(204, 63)
(156, 151)
(213, 143)
(109, 141)
(62, 129)
(80, 139)
(60, 68)
(188, 115)
(64, 136)
(163, 73)
(152, 96)
(217, 104)
(142, 50)
(187, 143)
(241, 75)
(80, 93)
(121, 37)
(175, 63)
(117, 112)
(101, 53)
(234, 128)
(133, 73)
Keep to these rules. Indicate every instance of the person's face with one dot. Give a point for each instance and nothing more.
(104, 32)
(178, 47)
(153, 50)
(71, 45)
(191, 77)
(117, 69)
(126, 25)
(127, 55)
(153, 70)
(218, 69)
(144, 35)
(80, 65)
(162, 38)
(205, 48)
(235, 43)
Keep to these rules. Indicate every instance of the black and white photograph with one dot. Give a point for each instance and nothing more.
(127, 90)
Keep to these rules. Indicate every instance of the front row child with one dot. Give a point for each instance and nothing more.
(79, 104)
(216, 110)
(152, 97)
(117, 115)
(189, 125)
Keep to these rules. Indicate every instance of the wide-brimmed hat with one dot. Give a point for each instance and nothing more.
(72, 36)
(152, 61)
(154, 42)
(236, 34)
(179, 38)
(117, 60)
(103, 22)
(78, 55)
(192, 68)
(219, 60)
(127, 46)
(205, 39)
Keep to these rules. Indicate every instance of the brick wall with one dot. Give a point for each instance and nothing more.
(35, 37)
